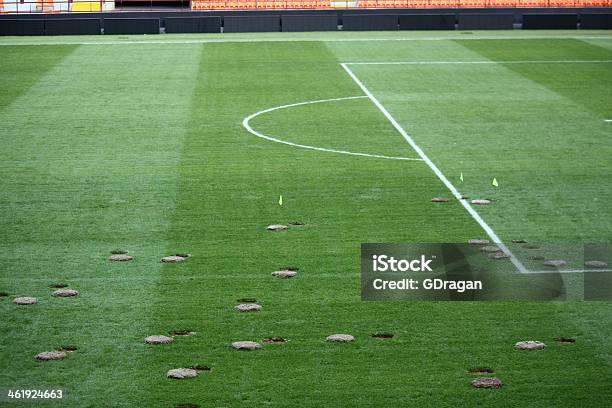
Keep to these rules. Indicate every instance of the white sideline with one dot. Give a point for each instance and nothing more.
(518, 264)
(482, 62)
(607, 120)
(247, 126)
(569, 271)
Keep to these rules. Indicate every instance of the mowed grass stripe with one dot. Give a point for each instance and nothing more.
(93, 167)
(22, 67)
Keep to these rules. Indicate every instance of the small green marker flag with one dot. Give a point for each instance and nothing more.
(495, 183)
(280, 200)
(461, 177)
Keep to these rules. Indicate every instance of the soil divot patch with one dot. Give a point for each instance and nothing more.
(382, 336)
(25, 300)
(183, 254)
(246, 345)
(182, 333)
(172, 259)
(68, 349)
(340, 338)
(487, 382)
(276, 227)
(490, 248)
(284, 274)
(65, 293)
(596, 264)
(481, 370)
(58, 286)
(565, 340)
(158, 339)
(200, 368)
(248, 307)
(296, 224)
(499, 255)
(481, 201)
(440, 200)
(479, 242)
(247, 300)
(529, 345)
(181, 373)
(555, 263)
(519, 241)
(274, 340)
(120, 258)
(119, 252)
(51, 355)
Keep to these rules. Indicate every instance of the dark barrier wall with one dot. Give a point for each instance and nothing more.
(354, 22)
(427, 22)
(22, 27)
(596, 21)
(486, 21)
(309, 22)
(193, 24)
(252, 24)
(550, 21)
(131, 26)
(73, 26)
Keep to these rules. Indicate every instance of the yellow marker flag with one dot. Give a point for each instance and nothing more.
(280, 200)
(461, 177)
(495, 183)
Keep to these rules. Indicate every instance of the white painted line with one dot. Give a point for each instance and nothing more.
(607, 120)
(269, 39)
(482, 62)
(521, 268)
(570, 271)
(248, 127)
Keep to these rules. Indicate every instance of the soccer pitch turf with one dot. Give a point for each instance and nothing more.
(139, 143)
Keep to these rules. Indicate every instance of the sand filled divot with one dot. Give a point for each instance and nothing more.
(284, 274)
(490, 248)
(487, 382)
(246, 345)
(51, 355)
(248, 307)
(340, 338)
(596, 264)
(120, 258)
(276, 227)
(172, 259)
(499, 255)
(479, 242)
(181, 373)
(481, 201)
(65, 293)
(555, 263)
(440, 200)
(25, 300)
(529, 345)
(158, 339)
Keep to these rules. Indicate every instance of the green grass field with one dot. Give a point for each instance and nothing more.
(138, 143)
